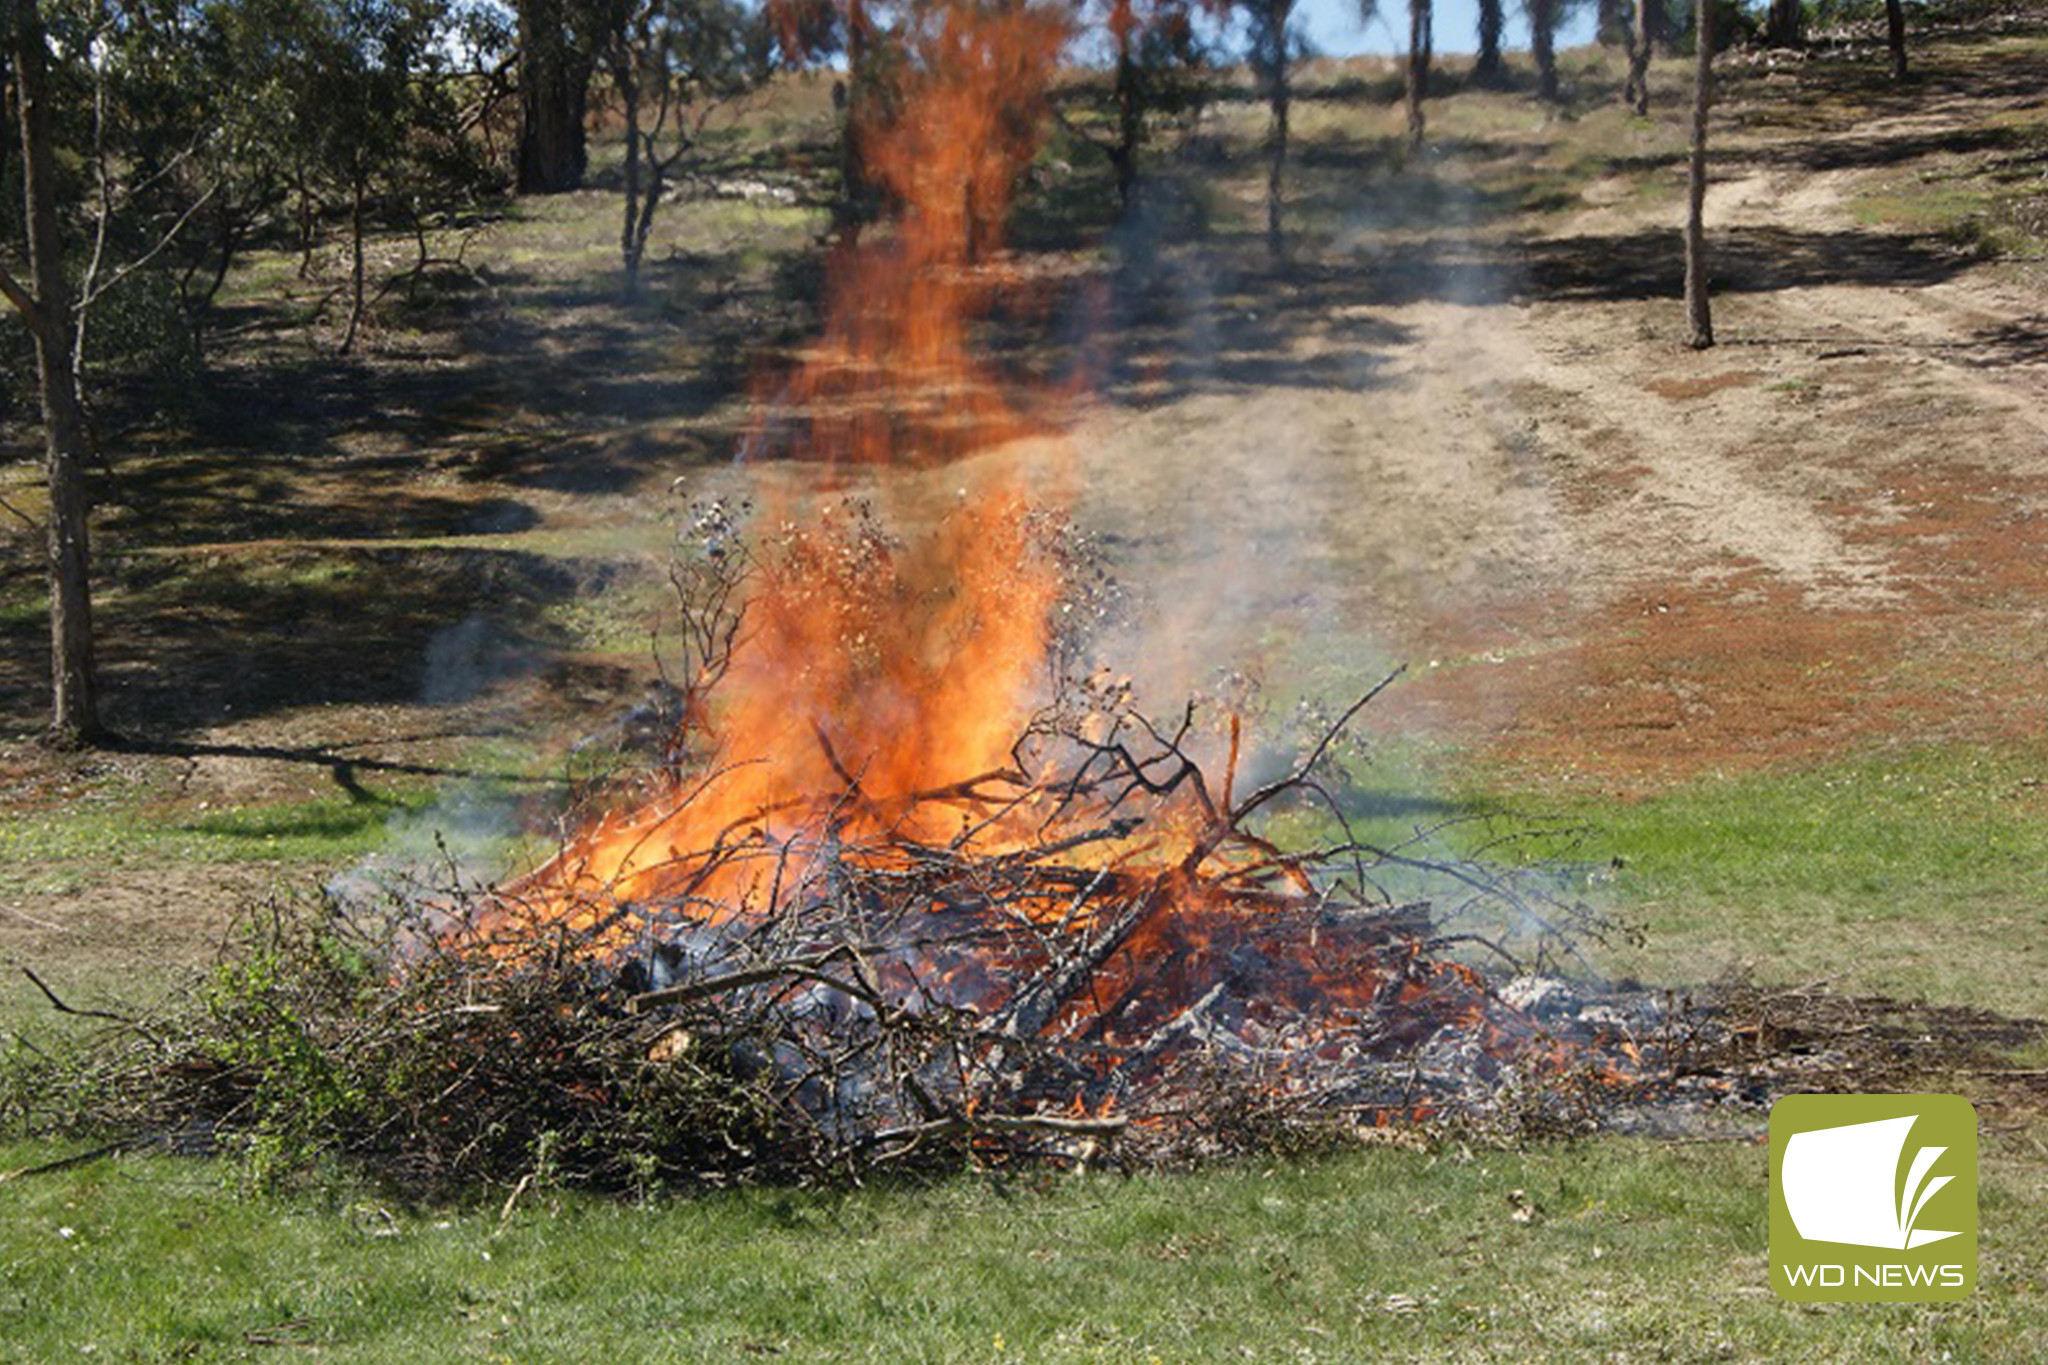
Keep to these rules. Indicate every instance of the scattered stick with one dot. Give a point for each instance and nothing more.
(113, 1148)
(512, 1200)
(62, 1008)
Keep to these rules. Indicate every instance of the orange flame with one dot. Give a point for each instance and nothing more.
(890, 667)
(894, 380)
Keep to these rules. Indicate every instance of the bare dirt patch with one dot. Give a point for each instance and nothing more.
(129, 937)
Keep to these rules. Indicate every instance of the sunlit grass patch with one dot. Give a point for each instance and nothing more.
(1907, 870)
(1634, 1249)
(322, 829)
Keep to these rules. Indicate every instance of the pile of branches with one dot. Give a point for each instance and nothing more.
(890, 1004)
(1099, 952)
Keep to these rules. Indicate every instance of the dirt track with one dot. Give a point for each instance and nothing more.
(1609, 556)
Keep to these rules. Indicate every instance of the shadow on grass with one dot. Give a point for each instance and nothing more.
(1870, 152)
(1177, 326)
(1185, 301)
(1838, 90)
(345, 768)
(1648, 264)
(185, 646)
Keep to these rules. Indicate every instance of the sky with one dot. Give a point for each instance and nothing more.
(1333, 28)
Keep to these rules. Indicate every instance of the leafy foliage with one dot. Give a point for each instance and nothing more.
(310, 1041)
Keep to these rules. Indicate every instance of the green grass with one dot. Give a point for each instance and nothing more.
(1908, 871)
(1638, 1250)
(1914, 871)
(320, 830)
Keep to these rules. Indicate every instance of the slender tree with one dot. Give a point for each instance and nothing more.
(1895, 36)
(1785, 24)
(1158, 65)
(372, 112)
(1636, 91)
(1610, 24)
(810, 31)
(1128, 90)
(1418, 69)
(45, 304)
(670, 63)
(1272, 44)
(1663, 23)
(1488, 68)
(1699, 319)
(1543, 45)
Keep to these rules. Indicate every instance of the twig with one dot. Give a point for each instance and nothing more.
(24, 518)
(63, 1008)
(746, 976)
(24, 916)
(512, 1200)
(999, 1123)
(2033, 1073)
(77, 1159)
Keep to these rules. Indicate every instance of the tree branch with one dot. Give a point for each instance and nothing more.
(86, 300)
(24, 302)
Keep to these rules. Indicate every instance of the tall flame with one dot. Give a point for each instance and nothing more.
(890, 666)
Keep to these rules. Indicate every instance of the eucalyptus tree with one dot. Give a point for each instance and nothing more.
(1487, 67)
(1544, 16)
(1635, 91)
(44, 299)
(556, 60)
(1416, 85)
(1698, 311)
(670, 63)
(1158, 68)
(159, 137)
(1272, 49)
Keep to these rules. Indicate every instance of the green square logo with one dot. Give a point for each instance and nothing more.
(1873, 1198)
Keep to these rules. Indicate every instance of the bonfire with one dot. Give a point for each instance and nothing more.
(903, 863)
(913, 879)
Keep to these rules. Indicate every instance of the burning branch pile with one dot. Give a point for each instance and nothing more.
(1096, 947)
(875, 907)
(1093, 938)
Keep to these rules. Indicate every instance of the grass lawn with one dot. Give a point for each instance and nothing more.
(1636, 1249)
(1911, 871)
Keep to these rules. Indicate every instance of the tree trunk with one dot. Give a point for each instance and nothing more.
(856, 196)
(1280, 96)
(309, 222)
(1699, 318)
(554, 83)
(1895, 35)
(1663, 24)
(1276, 242)
(1543, 45)
(356, 295)
(1130, 107)
(632, 240)
(1487, 68)
(1786, 25)
(74, 713)
(1610, 25)
(1418, 69)
(1637, 91)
